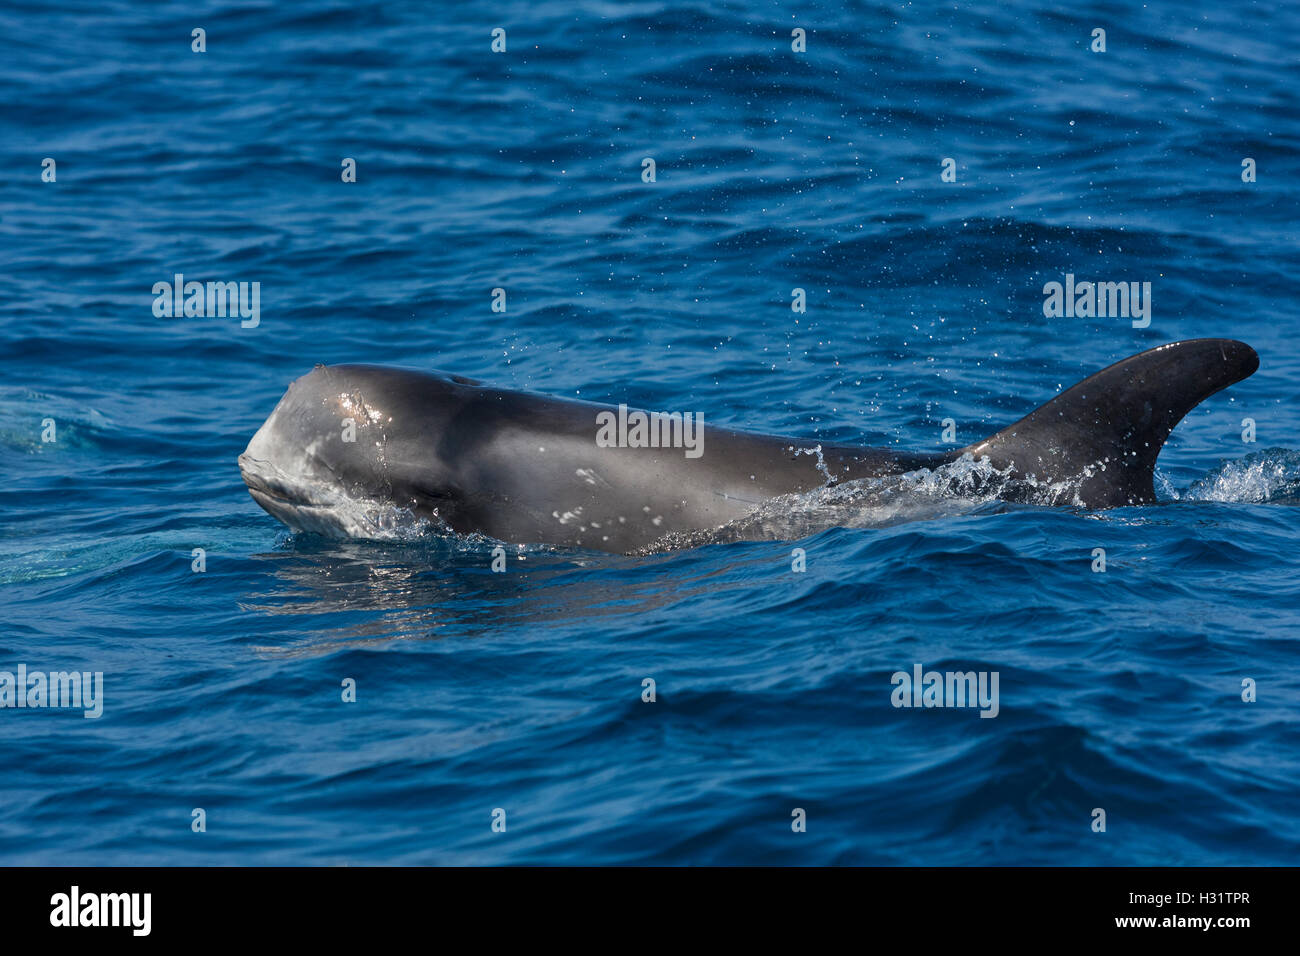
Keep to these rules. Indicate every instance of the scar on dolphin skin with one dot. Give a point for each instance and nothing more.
(501, 463)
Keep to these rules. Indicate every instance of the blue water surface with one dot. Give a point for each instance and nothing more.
(1120, 690)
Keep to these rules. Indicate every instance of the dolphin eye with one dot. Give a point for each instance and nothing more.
(462, 380)
(431, 492)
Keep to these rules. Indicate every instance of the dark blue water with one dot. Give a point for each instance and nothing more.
(522, 691)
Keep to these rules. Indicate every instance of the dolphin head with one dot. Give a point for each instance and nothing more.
(347, 443)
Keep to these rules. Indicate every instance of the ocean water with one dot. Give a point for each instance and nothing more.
(522, 692)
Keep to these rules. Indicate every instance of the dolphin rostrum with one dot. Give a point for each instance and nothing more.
(525, 468)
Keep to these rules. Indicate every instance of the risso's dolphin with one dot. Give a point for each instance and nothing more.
(526, 468)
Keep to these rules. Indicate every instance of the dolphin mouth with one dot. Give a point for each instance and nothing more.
(262, 480)
(319, 509)
(286, 501)
(275, 493)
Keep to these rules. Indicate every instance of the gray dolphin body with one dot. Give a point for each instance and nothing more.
(527, 468)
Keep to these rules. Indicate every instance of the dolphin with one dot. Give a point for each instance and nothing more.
(531, 469)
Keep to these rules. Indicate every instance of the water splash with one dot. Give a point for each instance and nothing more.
(821, 461)
(1271, 475)
(956, 488)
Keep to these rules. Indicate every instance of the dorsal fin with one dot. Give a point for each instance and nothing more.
(1113, 424)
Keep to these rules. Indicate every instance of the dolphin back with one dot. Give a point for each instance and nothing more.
(1107, 431)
